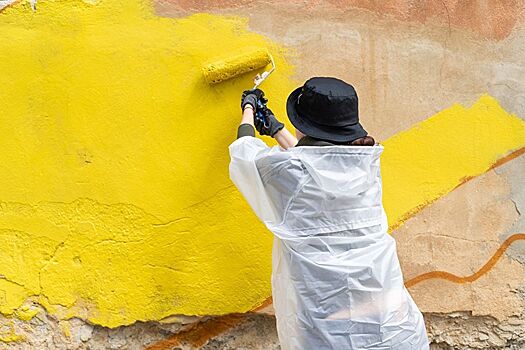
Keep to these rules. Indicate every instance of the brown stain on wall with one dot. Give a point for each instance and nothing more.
(494, 19)
(200, 333)
(508, 158)
(470, 278)
(264, 305)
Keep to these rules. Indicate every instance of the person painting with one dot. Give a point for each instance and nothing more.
(336, 279)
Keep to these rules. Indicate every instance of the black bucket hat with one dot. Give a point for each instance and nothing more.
(327, 109)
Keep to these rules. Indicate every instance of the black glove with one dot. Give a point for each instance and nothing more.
(250, 97)
(268, 125)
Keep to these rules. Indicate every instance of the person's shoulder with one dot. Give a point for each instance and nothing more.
(248, 141)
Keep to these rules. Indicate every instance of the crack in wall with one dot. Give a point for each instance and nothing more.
(5, 278)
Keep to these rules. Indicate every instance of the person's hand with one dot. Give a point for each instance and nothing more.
(250, 97)
(269, 125)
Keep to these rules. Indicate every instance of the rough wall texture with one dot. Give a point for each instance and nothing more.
(116, 209)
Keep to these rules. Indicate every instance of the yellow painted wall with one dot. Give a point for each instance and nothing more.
(115, 204)
(115, 200)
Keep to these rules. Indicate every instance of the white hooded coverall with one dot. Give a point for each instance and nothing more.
(336, 279)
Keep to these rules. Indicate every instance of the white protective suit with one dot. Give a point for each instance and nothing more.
(336, 279)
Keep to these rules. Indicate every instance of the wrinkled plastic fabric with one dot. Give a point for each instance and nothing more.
(336, 279)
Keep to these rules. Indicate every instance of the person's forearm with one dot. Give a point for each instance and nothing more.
(285, 139)
(247, 116)
(246, 128)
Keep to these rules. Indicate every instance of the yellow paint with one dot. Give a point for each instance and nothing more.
(12, 294)
(65, 326)
(10, 338)
(26, 313)
(433, 157)
(235, 65)
(115, 204)
(8, 333)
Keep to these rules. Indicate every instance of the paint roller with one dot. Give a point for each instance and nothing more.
(233, 66)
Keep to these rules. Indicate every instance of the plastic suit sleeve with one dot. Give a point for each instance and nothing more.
(244, 174)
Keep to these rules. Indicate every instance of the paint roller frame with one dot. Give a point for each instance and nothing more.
(260, 78)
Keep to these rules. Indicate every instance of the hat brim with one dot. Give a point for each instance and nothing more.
(330, 133)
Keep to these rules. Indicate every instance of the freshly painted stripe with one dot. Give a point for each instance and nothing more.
(431, 158)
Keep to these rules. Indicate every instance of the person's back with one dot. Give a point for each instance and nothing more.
(348, 176)
(336, 279)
